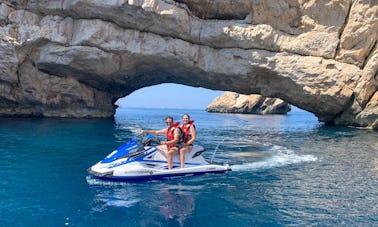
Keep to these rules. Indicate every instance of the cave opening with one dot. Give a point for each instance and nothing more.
(182, 97)
(169, 95)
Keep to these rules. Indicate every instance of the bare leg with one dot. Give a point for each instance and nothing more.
(182, 157)
(170, 154)
(169, 159)
(183, 151)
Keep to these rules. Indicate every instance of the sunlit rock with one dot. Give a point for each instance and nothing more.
(231, 102)
(318, 55)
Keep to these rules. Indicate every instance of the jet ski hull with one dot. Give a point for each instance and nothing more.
(131, 162)
(152, 174)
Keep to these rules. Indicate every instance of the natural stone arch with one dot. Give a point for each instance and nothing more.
(60, 61)
(192, 65)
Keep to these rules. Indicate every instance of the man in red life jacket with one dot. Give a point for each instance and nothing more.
(189, 136)
(173, 134)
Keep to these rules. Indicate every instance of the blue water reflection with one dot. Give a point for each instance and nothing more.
(288, 170)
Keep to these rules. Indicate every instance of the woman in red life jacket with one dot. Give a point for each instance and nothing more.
(189, 136)
(173, 133)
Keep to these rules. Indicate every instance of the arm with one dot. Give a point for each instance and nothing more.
(192, 130)
(162, 131)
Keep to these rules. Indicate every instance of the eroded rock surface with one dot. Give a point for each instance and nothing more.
(231, 102)
(75, 58)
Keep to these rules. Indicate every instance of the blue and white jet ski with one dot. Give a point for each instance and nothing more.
(133, 161)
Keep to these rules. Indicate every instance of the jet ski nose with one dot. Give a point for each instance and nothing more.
(108, 174)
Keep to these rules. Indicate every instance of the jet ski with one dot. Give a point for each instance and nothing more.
(142, 161)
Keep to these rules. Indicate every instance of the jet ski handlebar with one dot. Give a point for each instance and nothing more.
(148, 139)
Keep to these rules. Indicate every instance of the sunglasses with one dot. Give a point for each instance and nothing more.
(168, 122)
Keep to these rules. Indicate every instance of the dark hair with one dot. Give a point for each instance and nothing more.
(169, 117)
(186, 115)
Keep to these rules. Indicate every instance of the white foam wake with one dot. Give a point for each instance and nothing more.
(135, 129)
(96, 182)
(280, 157)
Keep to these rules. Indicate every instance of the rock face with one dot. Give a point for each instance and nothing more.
(231, 102)
(75, 58)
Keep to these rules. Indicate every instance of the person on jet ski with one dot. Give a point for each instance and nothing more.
(173, 142)
(189, 136)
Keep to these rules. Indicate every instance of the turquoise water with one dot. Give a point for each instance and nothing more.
(288, 170)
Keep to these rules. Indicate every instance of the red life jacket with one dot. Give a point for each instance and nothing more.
(170, 134)
(186, 131)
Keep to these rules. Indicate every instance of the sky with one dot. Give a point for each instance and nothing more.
(174, 96)
(170, 96)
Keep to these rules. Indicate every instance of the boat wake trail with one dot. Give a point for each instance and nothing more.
(280, 156)
(98, 182)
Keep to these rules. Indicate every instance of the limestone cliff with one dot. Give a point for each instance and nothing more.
(231, 102)
(75, 58)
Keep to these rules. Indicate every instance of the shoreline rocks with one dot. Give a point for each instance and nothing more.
(231, 102)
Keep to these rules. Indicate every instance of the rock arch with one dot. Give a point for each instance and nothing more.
(75, 58)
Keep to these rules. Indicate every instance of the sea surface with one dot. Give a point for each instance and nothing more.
(287, 170)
